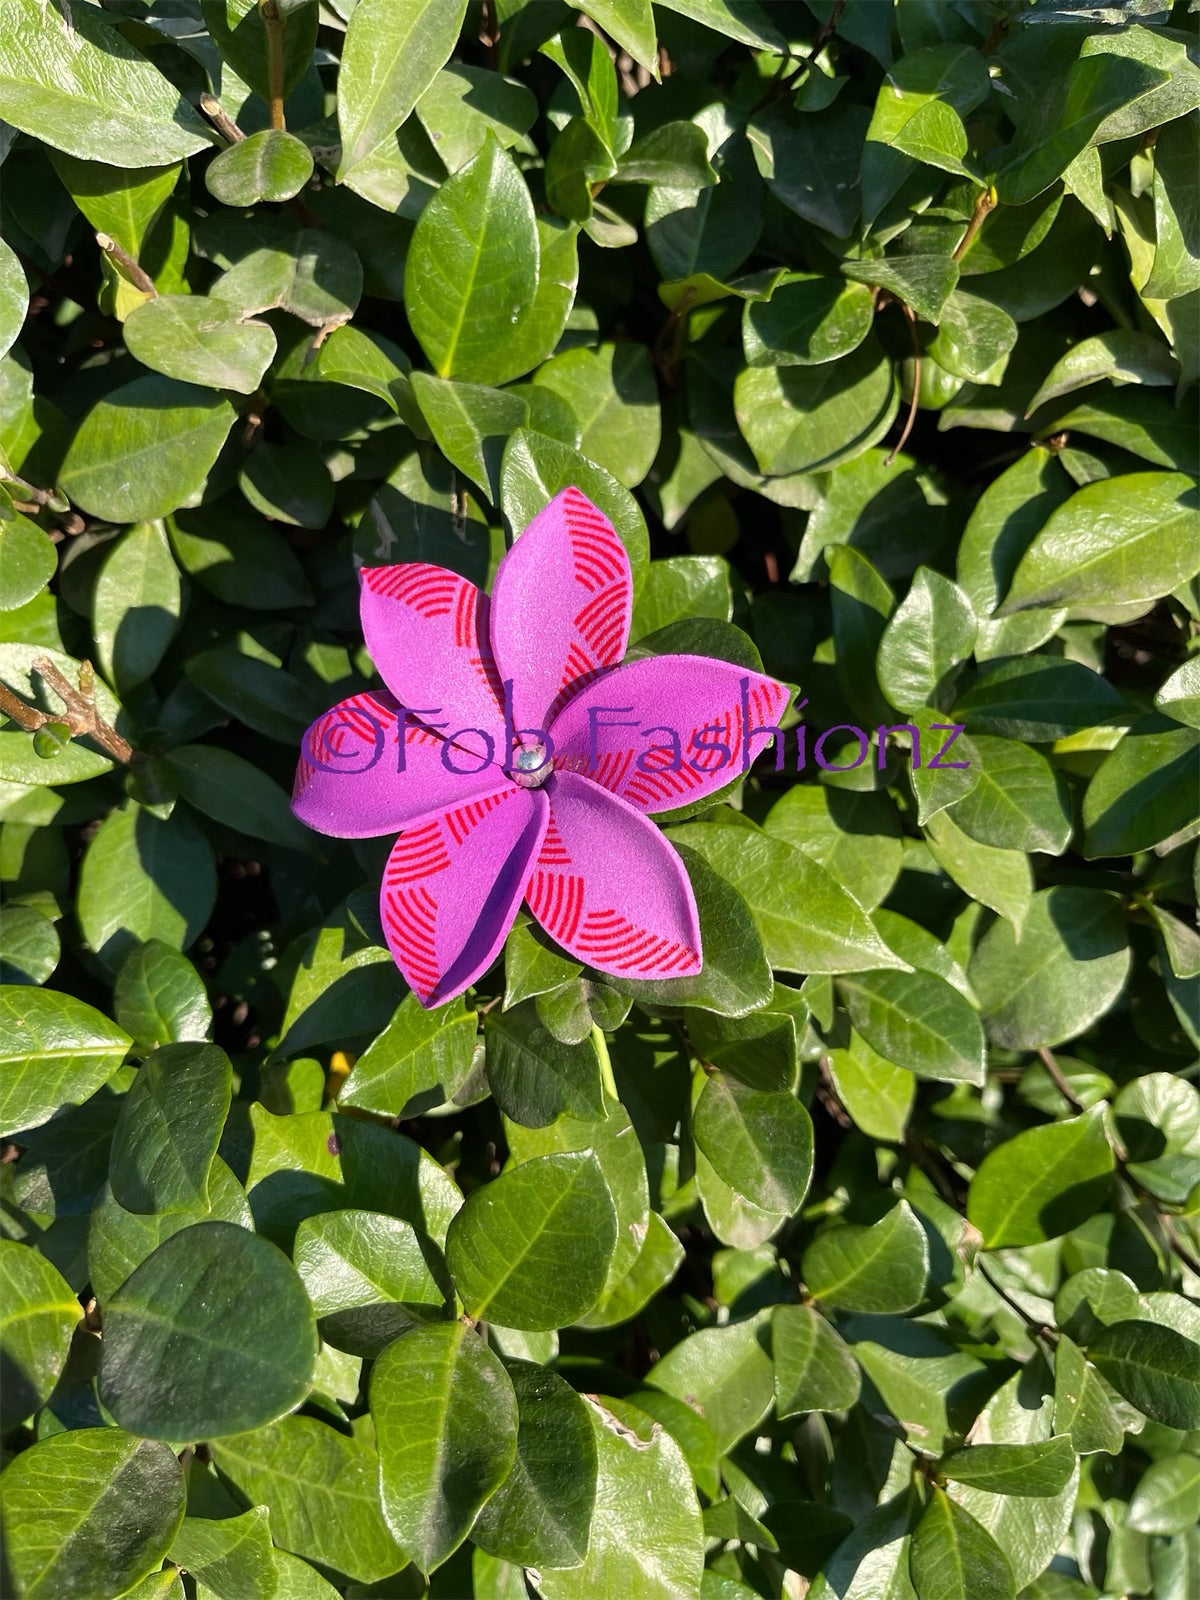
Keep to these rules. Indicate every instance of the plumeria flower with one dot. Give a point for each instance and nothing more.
(519, 761)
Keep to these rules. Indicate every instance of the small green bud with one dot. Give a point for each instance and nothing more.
(51, 739)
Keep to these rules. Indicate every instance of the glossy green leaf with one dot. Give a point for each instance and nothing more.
(877, 1268)
(240, 33)
(1037, 1469)
(1154, 1367)
(1067, 968)
(54, 1050)
(954, 1558)
(233, 791)
(369, 1278)
(271, 165)
(532, 1248)
(82, 87)
(534, 1076)
(38, 1318)
(758, 1141)
(814, 1369)
(613, 394)
(1043, 1182)
(809, 419)
(29, 561)
(725, 1373)
(313, 275)
(1084, 1407)
(808, 320)
(471, 425)
(229, 1555)
(92, 1511)
(445, 1416)
(170, 1124)
(1017, 801)
(159, 996)
(199, 340)
(186, 1337)
(542, 1512)
(918, 1021)
(1167, 1498)
(145, 449)
(421, 1059)
(392, 55)
(1144, 792)
(136, 605)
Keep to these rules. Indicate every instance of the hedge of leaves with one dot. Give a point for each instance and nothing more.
(867, 1263)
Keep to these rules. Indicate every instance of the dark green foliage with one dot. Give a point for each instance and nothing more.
(864, 1264)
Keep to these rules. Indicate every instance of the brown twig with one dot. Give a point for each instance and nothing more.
(80, 716)
(1038, 1329)
(1054, 1072)
(984, 203)
(126, 265)
(916, 385)
(272, 21)
(779, 84)
(220, 119)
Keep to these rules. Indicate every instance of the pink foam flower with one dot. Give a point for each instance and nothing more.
(518, 761)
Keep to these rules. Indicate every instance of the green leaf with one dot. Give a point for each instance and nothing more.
(1122, 356)
(1143, 794)
(814, 1369)
(918, 1021)
(1065, 971)
(630, 24)
(1039, 698)
(541, 1514)
(1154, 1367)
(1017, 801)
(1043, 1182)
(123, 203)
(759, 1141)
(236, 792)
(1083, 1405)
(1176, 270)
(239, 32)
(29, 946)
(954, 1558)
(14, 297)
(1039, 1469)
(471, 425)
(811, 163)
(160, 998)
(136, 605)
(312, 275)
(809, 419)
(534, 1077)
(29, 561)
(879, 1268)
(145, 449)
(120, 1240)
(878, 1095)
(758, 1050)
(807, 320)
(645, 1500)
(211, 1334)
(535, 469)
(854, 835)
(658, 1260)
(170, 1124)
(271, 165)
(232, 1557)
(391, 56)
(1001, 879)
(675, 154)
(464, 104)
(725, 1373)
(808, 923)
(1139, 420)
(472, 272)
(929, 635)
(263, 697)
(1179, 697)
(679, 588)
(974, 338)
(445, 1416)
(54, 1051)
(38, 1318)
(1137, 535)
(232, 553)
(1158, 1123)
(1167, 1498)
(144, 878)
(81, 86)
(532, 1248)
(420, 1060)
(323, 1491)
(89, 1512)
(200, 340)
(369, 1278)
(924, 283)
(612, 393)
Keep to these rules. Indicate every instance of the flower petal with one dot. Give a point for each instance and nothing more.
(561, 605)
(427, 631)
(666, 730)
(609, 888)
(452, 888)
(351, 782)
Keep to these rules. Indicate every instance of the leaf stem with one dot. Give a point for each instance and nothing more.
(1039, 1330)
(1054, 1071)
(126, 265)
(272, 21)
(220, 119)
(606, 1071)
(81, 714)
(916, 384)
(985, 202)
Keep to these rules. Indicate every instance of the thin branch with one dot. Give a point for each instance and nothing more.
(984, 203)
(1039, 1330)
(220, 119)
(779, 84)
(916, 385)
(272, 20)
(80, 716)
(1054, 1071)
(126, 265)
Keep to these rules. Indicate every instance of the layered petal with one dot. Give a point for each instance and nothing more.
(666, 730)
(451, 889)
(610, 889)
(561, 605)
(355, 778)
(427, 631)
